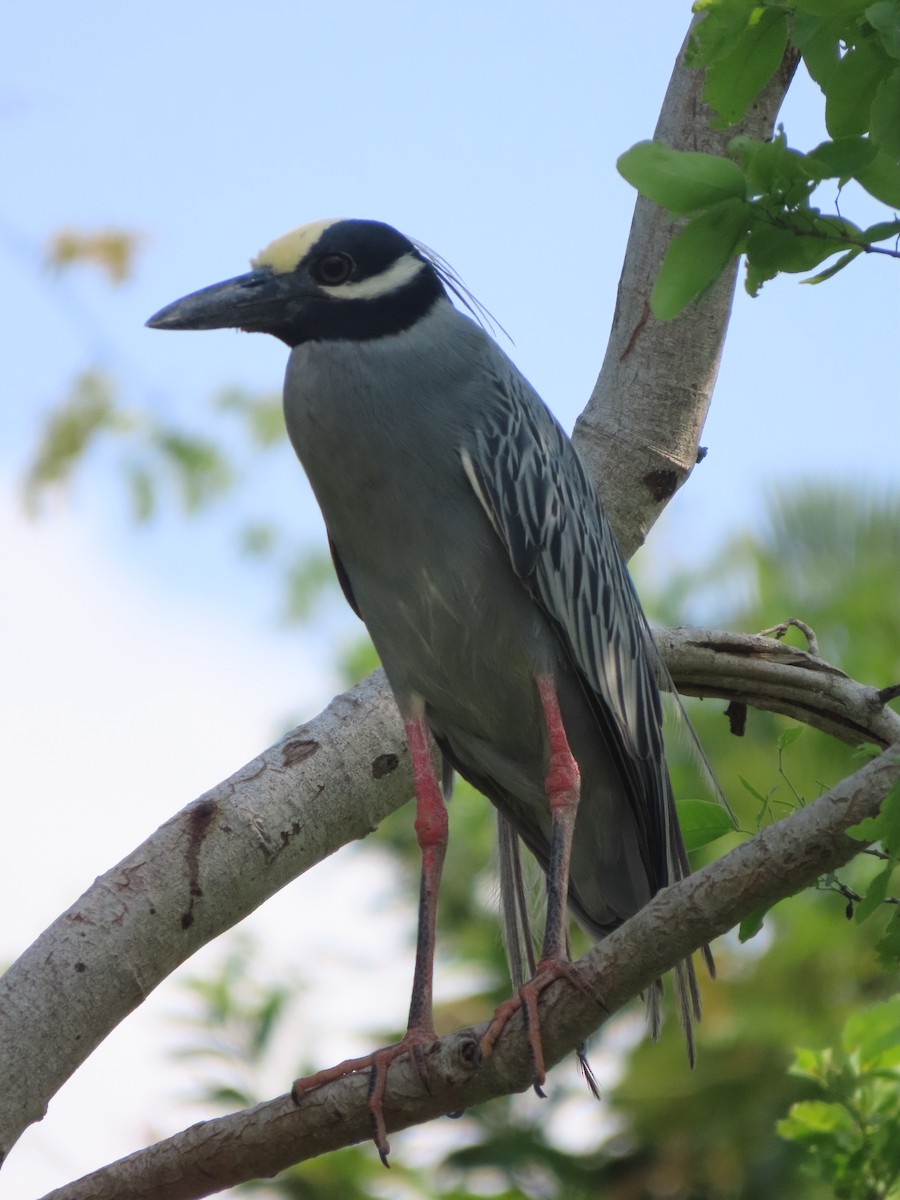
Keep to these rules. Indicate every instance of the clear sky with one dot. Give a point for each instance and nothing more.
(141, 667)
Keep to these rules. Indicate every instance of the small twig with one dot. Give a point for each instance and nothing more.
(778, 631)
(886, 695)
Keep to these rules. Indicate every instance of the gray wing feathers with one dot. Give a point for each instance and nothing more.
(543, 505)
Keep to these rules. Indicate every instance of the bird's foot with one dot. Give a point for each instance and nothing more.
(415, 1044)
(548, 971)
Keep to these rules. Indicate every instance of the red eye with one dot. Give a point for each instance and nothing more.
(332, 269)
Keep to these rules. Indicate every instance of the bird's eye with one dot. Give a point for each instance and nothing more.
(332, 269)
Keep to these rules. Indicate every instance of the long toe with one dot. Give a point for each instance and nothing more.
(548, 972)
(414, 1044)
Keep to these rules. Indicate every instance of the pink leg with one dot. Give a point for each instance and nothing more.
(563, 786)
(431, 833)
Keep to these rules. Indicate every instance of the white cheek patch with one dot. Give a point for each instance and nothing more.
(285, 252)
(396, 276)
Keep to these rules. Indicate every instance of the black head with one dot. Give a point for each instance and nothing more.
(332, 279)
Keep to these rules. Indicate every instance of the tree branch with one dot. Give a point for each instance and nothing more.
(263, 1140)
(763, 673)
(640, 431)
(324, 784)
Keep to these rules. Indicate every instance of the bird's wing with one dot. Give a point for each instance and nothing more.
(543, 505)
(343, 578)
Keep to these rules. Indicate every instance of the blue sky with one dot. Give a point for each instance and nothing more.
(490, 132)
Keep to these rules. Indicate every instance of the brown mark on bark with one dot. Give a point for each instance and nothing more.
(384, 764)
(661, 484)
(296, 750)
(199, 817)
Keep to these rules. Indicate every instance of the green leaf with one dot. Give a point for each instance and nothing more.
(885, 115)
(752, 924)
(702, 822)
(807, 1064)
(772, 167)
(888, 947)
(885, 827)
(788, 736)
(817, 40)
(851, 90)
(875, 894)
(880, 233)
(847, 10)
(884, 16)
(869, 1032)
(257, 539)
(263, 413)
(841, 158)
(682, 181)
(844, 261)
(752, 790)
(143, 492)
(70, 431)
(734, 82)
(716, 36)
(778, 249)
(699, 255)
(198, 465)
(881, 179)
(812, 1118)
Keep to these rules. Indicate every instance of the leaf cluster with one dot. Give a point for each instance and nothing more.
(849, 1132)
(884, 830)
(759, 201)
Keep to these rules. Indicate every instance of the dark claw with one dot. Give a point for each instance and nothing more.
(539, 1091)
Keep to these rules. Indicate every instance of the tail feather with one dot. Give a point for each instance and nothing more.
(516, 921)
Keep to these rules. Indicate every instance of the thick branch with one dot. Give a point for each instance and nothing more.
(763, 673)
(326, 783)
(641, 429)
(263, 1140)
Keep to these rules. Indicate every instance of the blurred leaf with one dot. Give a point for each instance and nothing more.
(309, 577)
(871, 1031)
(198, 465)
(885, 827)
(111, 250)
(752, 924)
(263, 415)
(357, 660)
(812, 1118)
(258, 538)
(143, 492)
(789, 736)
(69, 433)
(888, 948)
